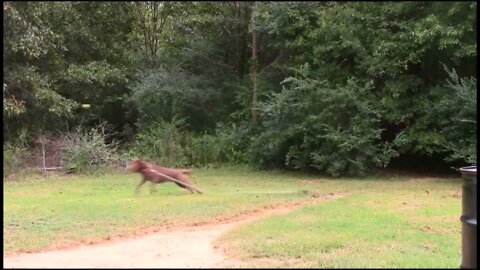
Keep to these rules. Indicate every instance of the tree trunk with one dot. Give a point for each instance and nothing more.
(244, 21)
(238, 26)
(254, 66)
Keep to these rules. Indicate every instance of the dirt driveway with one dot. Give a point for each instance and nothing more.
(184, 248)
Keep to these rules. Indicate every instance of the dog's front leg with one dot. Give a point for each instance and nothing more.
(139, 185)
(152, 187)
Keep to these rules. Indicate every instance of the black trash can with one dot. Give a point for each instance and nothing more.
(469, 217)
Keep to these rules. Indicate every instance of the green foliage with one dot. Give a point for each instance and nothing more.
(88, 152)
(163, 142)
(381, 48)
(26, 34)
(158, 92)
(237, 140)
(206, 150)
(312, 123)
(226, 146)
(195, 84)
(31, 96)
(457, 113)
(342, 86)
(12, 106)
(447, 123)
(169, 144)
(14, 155)
(57, 56)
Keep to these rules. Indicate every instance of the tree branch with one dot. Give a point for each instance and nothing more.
(273, 62)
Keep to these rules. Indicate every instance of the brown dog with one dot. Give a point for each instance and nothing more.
(157, 174)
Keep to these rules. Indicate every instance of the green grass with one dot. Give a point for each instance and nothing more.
(383, 222)
(41, 213)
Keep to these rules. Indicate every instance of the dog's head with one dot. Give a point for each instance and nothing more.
(136, 165)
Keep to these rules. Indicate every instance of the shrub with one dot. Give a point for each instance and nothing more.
(235, 141)
(88, 152)
(222, 147)
(206, 150)
(457, 110)
(169, 144)
(313, 123)
(163, 142)
(14, 155)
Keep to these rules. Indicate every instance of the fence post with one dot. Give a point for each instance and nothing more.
(43, 140)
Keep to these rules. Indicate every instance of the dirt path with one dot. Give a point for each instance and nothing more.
(185, 248)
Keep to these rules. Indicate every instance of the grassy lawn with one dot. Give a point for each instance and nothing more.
(385, 224)
(42, 213)
(382, 223)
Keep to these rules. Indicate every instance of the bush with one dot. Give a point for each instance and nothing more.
(14, 155)
(313, 123)
(206, 150)
(225, 146)
(88, 152)
(457, 109)
(169, 144)
(163, 142)
(236, 139)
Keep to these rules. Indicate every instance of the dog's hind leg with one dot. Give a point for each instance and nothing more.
(185, 187)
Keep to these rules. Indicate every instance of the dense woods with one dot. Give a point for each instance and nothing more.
(339, 87)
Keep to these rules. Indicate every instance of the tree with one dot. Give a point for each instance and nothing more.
(399, 47)
(342, 87)
(31, 98)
